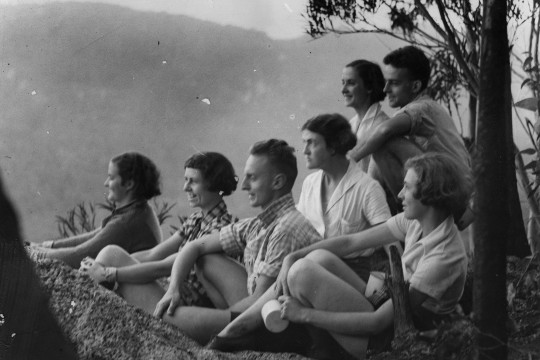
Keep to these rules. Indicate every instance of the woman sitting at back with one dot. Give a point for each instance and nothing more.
(132, 180)
(208, 176)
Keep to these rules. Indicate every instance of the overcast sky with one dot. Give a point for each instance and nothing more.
(279, 19)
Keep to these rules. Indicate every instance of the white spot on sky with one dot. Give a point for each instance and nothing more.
(206, 101)
(287, 7)
(2, 319)
(34, 92)
(254, 70)
(48, 133)
(13, 335)
(164, 62)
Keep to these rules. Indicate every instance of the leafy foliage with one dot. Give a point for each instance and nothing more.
(78, 220)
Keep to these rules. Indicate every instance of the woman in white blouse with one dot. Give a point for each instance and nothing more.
(339, 198)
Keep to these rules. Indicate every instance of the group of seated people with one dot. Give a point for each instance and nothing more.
(315, 256)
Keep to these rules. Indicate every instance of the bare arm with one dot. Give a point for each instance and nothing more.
(185, 260)
(395, 126)
(347, 323)
(145, 272)
(160, 251)
(262, 285)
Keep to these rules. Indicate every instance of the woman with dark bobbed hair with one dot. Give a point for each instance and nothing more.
(208, 177)
(329, 299)
(339, 198)
(132, 180)
(363, 90)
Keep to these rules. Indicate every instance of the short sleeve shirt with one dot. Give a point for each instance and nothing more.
(436, 264)
(267, 238)
(432, 129)
(358, 203)
(197, 225)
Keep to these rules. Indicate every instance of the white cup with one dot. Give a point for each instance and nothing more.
(271, 314)
(375, 282)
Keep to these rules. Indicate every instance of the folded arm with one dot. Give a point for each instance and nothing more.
(396, 126)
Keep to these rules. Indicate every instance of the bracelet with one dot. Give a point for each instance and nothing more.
(110, 274)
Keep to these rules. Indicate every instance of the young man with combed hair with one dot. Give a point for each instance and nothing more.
(420, 125)
(264, 240)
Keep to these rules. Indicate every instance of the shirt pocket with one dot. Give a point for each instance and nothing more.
(347, 227)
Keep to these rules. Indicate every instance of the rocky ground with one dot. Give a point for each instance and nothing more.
(103, 326)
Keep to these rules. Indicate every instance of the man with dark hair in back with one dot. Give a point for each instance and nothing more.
(264, 241)
(420, 125)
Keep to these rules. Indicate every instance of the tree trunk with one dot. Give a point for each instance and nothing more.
(403, 322)
(493, 166)
(473, 102)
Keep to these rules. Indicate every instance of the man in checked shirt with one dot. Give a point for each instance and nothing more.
(264, 240)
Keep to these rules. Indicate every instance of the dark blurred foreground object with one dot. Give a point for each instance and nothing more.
(27, 328)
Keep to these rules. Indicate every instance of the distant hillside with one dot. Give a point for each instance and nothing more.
(80, 83)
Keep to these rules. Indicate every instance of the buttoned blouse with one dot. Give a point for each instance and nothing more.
(358, 203)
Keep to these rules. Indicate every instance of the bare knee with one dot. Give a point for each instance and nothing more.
(112, 255)
(301, 277)
(205, 263)
(323, 257)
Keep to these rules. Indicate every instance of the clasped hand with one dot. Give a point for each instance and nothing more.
(96, 271)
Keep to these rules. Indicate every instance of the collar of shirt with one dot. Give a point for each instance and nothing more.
(372, 112)
(217, 211)
(276, 209)
(127, 207)
(423, 95)
(122, 210)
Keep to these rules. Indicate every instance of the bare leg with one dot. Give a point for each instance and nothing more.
(316, 287)
(223, 279)
(225, 282)
(335, 265)
(143, 296)
(200, 324)
(250, 319)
